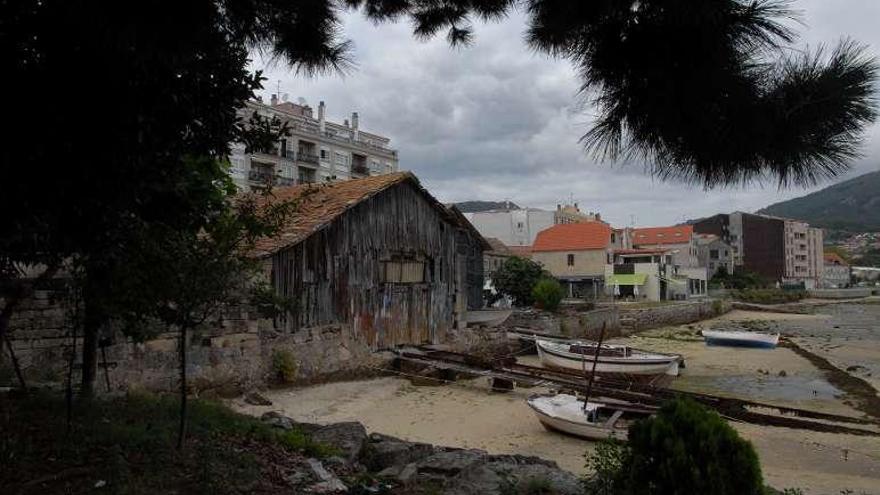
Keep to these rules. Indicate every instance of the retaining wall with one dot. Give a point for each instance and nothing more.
(230, 353)
(636, 320)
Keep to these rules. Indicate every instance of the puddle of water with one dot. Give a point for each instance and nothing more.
(763, 388)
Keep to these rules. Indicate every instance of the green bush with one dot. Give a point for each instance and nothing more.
(685, 448)
(738, 280)
(284, 365)
(547, 294)
(769, 296)
(516, 278)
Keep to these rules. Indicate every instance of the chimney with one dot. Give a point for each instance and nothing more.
(576, 207)
(345, 123)
(274, 99)
(558, 207)
(321, 121)
(354, 125)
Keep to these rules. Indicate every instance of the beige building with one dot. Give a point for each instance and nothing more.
(316, 150)
(572, 214)
(804, 261)
(576, 254)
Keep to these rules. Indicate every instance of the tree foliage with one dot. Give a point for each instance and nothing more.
(547, 293)
(684, 448)
(705, 91)
(516, 278)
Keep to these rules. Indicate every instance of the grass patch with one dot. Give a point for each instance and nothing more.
(128, 445)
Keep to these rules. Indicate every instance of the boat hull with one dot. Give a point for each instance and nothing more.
(668, 366)
(740, 339)
(579, 428)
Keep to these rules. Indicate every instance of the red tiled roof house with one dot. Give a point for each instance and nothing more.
(576, 254)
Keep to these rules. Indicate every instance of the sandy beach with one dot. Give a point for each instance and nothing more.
(466, 414)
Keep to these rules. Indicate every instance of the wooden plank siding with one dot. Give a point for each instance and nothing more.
(335, 274)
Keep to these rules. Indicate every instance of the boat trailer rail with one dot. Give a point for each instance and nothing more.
(633, 396)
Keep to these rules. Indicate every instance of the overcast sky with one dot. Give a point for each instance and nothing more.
(496, 121)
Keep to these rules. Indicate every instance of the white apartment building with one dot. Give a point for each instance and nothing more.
(315, 151)
(520, 227)
(804, 261)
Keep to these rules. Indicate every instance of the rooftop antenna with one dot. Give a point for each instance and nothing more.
(278, 87)
(632, 220)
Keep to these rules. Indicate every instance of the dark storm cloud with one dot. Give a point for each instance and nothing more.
(496, 121)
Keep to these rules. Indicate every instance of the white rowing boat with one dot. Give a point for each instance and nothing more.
(612, 358)
(739, 338)
(566, 413)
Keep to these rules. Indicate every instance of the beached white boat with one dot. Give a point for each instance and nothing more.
(739, 338)
(566, 413)
(612, 358)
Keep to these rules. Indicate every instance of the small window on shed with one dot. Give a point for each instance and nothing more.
(402, 271)
(570, 260)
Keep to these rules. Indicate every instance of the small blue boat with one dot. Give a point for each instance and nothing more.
(737, 338)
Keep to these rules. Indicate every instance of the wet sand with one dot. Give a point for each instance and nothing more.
(466, 414)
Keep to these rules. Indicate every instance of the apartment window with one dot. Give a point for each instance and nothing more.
(402, 271)
(325, 155)
(341, 159)
(570, 260)
(519, 225)
(613, 238)
(713, 254)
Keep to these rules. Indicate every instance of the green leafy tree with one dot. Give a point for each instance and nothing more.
(193, 275)
(684, 448)
(516, 278)
(547, 293)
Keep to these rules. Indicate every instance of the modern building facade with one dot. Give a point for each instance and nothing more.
(316, 150)
(784, 251)
(518, 228)
(651, 274)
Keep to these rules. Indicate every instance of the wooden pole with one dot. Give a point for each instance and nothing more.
(595, 361)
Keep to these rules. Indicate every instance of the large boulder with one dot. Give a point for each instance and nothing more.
(349, 438)
(385, 452)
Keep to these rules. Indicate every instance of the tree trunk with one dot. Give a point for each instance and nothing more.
(68, 393)
(181, 432)
(15, 364)
(91, 325)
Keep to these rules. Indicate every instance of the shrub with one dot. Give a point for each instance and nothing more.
(284, 365)
(516, 278)
(769, 296)
(547, 294)
(685, 448)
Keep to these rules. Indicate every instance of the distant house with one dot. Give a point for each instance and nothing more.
(494, 258)
(714, 254)
(679, 240)
(836, 273)
(576, 254)
(379, 257)
(650, 274)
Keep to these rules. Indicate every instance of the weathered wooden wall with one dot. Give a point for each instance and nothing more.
(334, 275)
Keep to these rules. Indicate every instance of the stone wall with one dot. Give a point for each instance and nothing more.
(854, 292)
(229, 354)
(636, 320)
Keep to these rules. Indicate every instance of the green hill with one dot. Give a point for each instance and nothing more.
(852, 205)
(478, 206)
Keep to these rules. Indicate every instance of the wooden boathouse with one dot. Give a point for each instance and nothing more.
(378, 255)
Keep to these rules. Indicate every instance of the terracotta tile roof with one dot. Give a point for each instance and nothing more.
(834, 259)
(521, 251)
(573, 237)
(319, 204)
(679, 234)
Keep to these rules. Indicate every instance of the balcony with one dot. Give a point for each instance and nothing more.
(307, 157)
